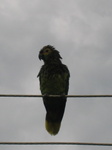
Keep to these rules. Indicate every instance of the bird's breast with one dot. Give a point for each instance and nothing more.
(53, 84)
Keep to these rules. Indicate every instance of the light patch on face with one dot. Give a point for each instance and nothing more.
(47, 51)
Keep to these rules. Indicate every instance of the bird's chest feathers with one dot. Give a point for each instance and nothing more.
(52, 77)
(52, 80)
(52, 72)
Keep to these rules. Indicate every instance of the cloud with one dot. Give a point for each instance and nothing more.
(82, 32)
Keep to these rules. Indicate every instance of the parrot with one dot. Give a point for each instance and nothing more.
(54, 80)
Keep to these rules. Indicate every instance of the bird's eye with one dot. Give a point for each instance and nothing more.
(47, 51)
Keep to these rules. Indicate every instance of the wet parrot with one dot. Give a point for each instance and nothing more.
(54, 80)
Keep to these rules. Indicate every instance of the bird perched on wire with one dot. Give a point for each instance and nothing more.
(54, 80)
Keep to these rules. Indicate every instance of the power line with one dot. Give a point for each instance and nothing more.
(70, 96)
(56, 143)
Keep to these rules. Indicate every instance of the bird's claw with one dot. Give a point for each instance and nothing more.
(45, 95)
(63, 95)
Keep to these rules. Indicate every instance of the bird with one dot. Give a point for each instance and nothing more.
(54, 80)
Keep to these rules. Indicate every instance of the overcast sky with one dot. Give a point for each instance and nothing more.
(82, 31)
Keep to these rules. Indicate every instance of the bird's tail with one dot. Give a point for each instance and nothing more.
(54, 114)
(52, 127)
(53, 121)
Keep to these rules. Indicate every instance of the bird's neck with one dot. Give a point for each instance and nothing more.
(54, 61)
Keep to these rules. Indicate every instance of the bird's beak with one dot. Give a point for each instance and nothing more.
(40, 56)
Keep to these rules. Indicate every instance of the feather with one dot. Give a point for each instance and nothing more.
(54, 80)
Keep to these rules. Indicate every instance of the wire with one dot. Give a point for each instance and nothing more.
(56, 143)
(70, 96)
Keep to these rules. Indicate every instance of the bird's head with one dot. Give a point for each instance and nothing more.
(49, 53)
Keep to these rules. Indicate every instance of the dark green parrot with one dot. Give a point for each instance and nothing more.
(54, 80)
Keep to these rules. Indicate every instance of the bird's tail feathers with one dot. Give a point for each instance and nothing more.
(52, 127)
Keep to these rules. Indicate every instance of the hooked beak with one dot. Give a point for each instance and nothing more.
(40, 56)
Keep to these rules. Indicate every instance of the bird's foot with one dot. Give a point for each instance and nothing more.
(45, 95)
(62, 95)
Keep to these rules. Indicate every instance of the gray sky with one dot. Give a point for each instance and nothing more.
(82, 31)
